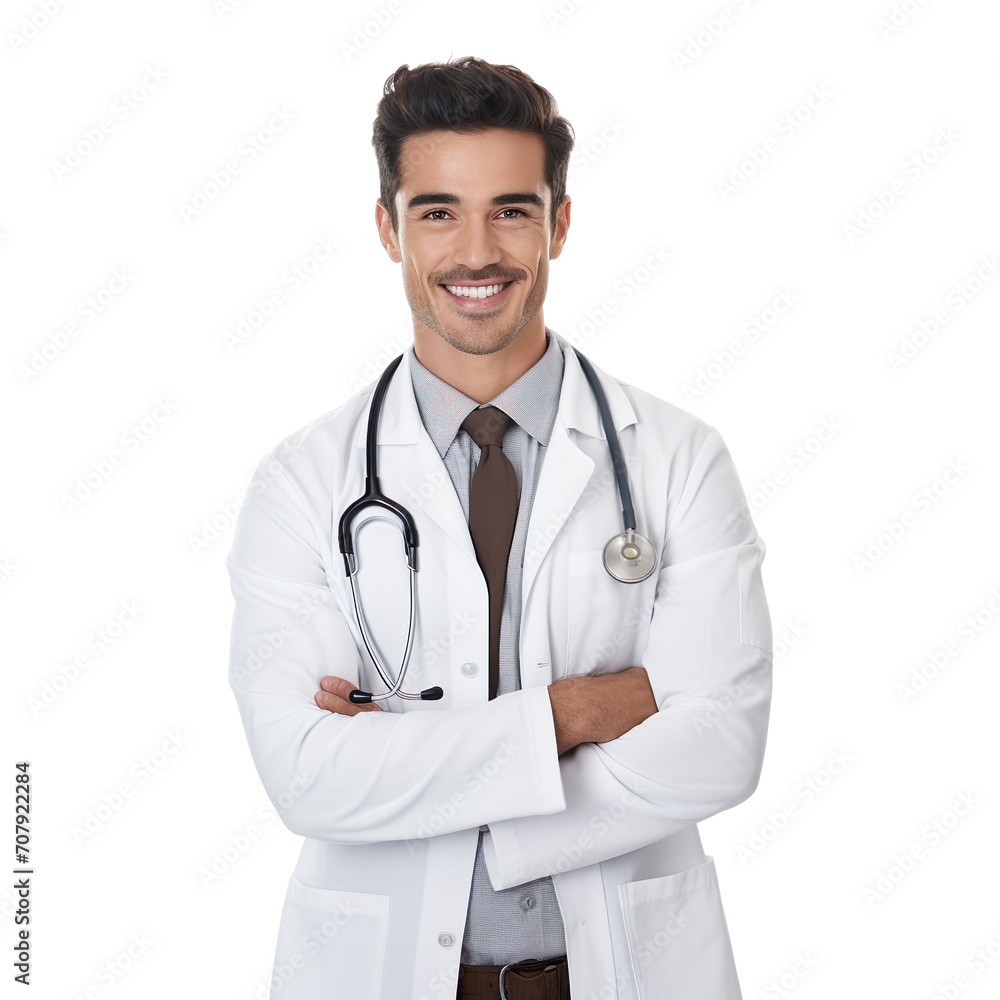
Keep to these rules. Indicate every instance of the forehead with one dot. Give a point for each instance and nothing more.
(489, 162)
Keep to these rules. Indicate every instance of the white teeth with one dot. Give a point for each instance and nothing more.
(473, 292)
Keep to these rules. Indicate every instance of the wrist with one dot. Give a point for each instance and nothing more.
(569, 714)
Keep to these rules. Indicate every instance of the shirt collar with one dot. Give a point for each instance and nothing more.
(531, 401)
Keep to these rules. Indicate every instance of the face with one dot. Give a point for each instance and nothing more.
(473, 213)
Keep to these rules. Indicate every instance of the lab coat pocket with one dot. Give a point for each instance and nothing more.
(608, 620)
(331, 944)
(677, 936)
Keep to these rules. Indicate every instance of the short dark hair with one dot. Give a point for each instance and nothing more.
(467, 95)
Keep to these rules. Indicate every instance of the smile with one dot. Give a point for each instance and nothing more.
(478, 296)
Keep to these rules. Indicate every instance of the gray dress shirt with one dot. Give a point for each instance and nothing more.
(523, 921)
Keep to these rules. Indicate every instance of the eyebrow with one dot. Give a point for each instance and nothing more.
(453, 199)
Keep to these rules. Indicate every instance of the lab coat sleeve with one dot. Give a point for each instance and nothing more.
(708, 659)
(375, 776)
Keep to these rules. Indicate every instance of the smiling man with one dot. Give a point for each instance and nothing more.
(530, 830)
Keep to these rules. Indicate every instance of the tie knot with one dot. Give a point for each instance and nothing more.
(486, 425)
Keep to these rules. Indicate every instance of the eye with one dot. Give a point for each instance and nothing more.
(514, 210)
(435, 211)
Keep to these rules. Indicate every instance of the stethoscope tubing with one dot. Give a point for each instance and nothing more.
(404, 521)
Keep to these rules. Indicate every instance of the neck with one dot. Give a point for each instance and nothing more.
(481, 377)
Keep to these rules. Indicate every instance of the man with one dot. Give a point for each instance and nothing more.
(533, 832)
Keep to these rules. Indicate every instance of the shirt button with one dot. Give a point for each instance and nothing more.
(470, 669)
(446, 939)
(528, 902)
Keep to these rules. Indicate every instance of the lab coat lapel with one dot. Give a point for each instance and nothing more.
(424, 482)
(567, 468)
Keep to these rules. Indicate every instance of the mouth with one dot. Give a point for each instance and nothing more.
(478, 297)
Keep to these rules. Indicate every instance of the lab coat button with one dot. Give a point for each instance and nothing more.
(446, 939)
(470, 669)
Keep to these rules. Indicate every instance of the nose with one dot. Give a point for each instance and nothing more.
(476, 245)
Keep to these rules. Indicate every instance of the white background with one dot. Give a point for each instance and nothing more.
(833, 442)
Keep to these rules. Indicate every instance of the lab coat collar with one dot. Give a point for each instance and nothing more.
(565, 472)
(400, 422)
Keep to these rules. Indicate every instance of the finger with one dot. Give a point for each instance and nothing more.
(341, 706)
(333, 704)
(342, 688)
(337, 685)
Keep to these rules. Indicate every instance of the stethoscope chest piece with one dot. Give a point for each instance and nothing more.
(629, 557)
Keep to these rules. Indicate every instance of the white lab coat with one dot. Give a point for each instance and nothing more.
(390, 803)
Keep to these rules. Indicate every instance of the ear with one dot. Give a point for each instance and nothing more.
(386, 234)
(561, 228)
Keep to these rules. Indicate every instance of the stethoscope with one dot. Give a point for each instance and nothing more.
(628, 557)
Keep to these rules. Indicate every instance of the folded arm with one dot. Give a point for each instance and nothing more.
(708, 659)
(373, 776)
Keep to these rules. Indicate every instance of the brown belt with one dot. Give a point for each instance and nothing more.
(532, 979)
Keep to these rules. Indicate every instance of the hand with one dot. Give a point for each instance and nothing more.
(333, 695)
(622, 700)
(595, 709)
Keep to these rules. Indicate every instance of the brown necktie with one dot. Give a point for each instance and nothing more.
(493, 499)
